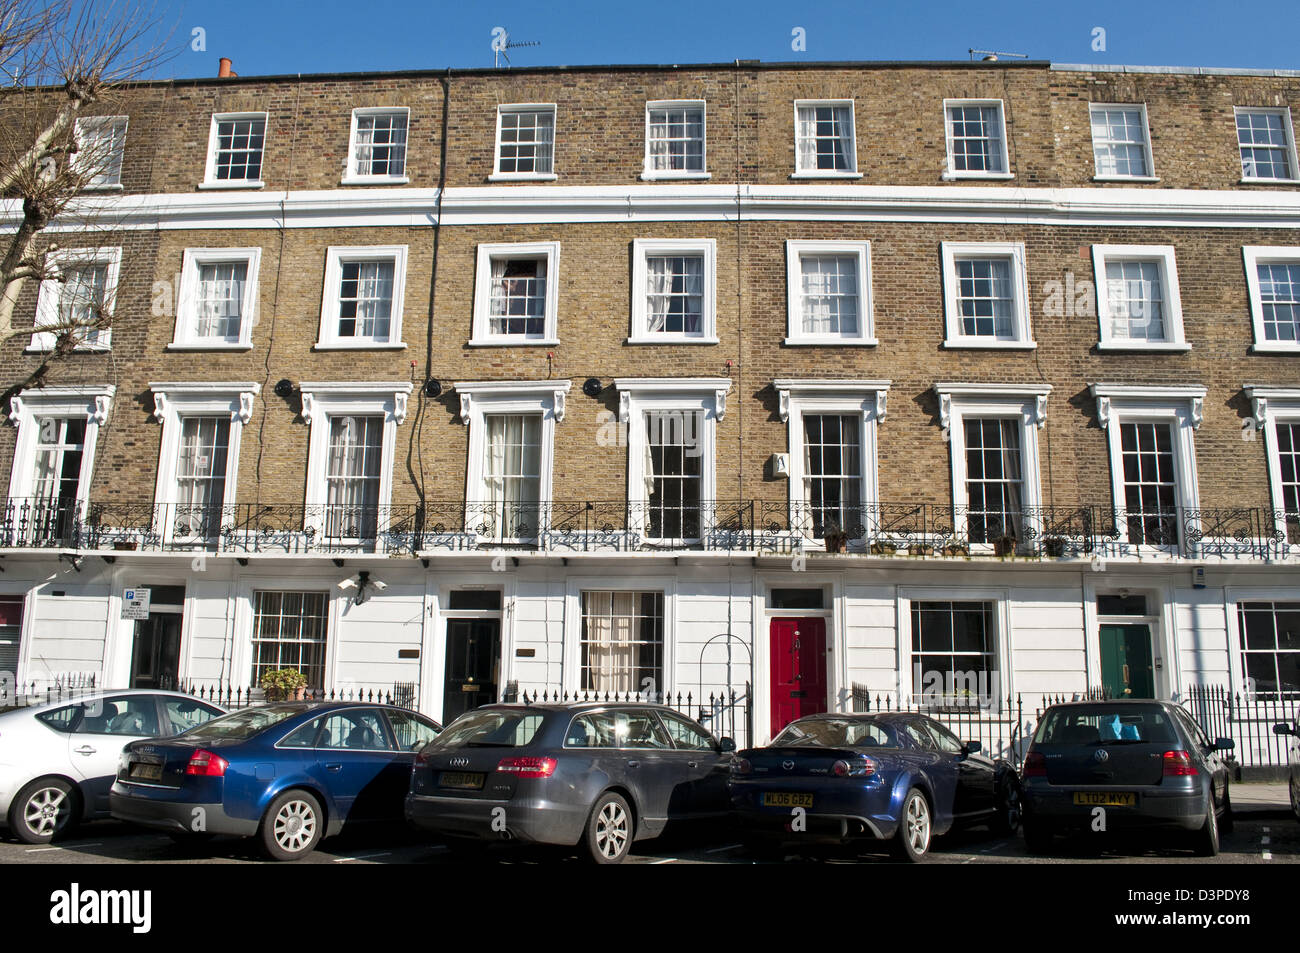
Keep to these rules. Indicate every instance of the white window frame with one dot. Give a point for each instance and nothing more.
(478, 399)
(210, 180)
(866, 399)
(351, 176)
(1182, 407)
(794, 254)
(117, 156)
(1285, 113)
(646, 580)
(1013, 252)
(1027, 403)
(481, 331)
(1269, 405)
(649, 174)
(1001, 600)
(1233, 597)
(64, 401)
(1098, 176)
(335, 257)
(1164, 257)
(184, 337)
(643, 248)
(639, 395)
(1253, 256)
(50, 293)
(950, 172)
(323, 400)
(173, 401)
(499, 176)
(850, 173)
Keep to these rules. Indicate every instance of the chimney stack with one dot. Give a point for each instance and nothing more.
(225, 72)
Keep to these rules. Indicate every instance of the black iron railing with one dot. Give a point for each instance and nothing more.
(1247, 719)
(727, 713)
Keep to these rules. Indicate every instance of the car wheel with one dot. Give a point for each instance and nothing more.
(1038, 838)
(609, 830)
(43, 810)
(1207, 838)
(915, 828)
(1295, 797)
(1007, 819)
(292, 826)
(1227, 823)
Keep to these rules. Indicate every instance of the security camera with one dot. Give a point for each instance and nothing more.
(379, 584)
(348, 583)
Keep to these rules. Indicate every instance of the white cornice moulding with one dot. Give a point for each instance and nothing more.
(1106, 393)
(659, 386)
(947, 390)
(485, 205)
(1262, 395)
(397, 392)
(99, 399)
(557, 391)
(785, 387)
(165, 393)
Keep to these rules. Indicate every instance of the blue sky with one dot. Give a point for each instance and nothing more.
(351, 36)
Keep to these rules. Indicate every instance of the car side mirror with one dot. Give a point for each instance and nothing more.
(1224, 744)
(726, 744)
(971, 747)
(1282, 728)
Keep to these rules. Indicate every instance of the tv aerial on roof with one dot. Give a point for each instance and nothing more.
(501, 42)
(992, 55)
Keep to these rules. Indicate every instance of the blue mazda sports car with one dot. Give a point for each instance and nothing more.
(288, 773)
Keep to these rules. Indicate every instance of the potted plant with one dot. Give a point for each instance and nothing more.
(284, 684)
(956, 549)
(1054, 546)
(836, 541)
(882, 548)
(918, 549)
(1004, 546)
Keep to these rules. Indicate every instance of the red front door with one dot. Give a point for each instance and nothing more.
(798, 669)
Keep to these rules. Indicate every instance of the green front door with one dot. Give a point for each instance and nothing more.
(1126, 670)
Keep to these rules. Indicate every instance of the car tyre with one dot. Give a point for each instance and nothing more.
(1295, 797)
(1207, 838)
(43, 810)
(292, 826)
(1038, 837)
(915, 828)
(1227, 823)
(610, 828)
(1009, 814)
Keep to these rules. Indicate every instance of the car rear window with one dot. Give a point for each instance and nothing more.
(838, 732)
(61, 719)
(242, 725)
(496, 729)
(1105, 725)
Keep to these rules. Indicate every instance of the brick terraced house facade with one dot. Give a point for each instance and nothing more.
(933, 379)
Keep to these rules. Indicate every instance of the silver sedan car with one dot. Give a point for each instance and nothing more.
(58, 759)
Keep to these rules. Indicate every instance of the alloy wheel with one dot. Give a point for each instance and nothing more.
(612, 830)
(46, 811)
(917, 820)
(295, 826)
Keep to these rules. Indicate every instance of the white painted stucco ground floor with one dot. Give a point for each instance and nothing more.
(454, 631)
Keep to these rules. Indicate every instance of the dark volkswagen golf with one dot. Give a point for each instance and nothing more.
(895, 777)
(598, 776)
(1146, 764)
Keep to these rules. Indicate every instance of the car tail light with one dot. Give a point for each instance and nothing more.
(422, 758)
(1035, 765)
(742, 766)
(860, 768)
(205, 764)
(528, 767)
(1178, 764)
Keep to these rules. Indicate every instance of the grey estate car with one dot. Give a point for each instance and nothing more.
(595, 775)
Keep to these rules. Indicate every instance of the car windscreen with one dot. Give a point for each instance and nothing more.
(495, 729)
(838, 733)
(242, 725)
(1106, 725)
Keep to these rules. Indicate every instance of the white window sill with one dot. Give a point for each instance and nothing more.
(830, 342)
(522, 177)
(664, 175)
(359, 346)
(375, 180)
(1245, 181)
(106, 187)
(1143, 346)
(995, 176)
(79, 349)
(232, 185)
(513, 342)
(1275, 347)
(670, 339)
(979, 344)
(209, 346)
(826, 174)
(1126, 178)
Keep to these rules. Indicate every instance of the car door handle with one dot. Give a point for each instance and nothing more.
(334, 767)
(85, 749)
(634, 764)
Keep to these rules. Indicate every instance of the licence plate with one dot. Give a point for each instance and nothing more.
(146, 772)
(786, 799)
(1105, 799)
(461, 779)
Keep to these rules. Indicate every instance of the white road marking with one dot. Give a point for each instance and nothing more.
(340, 860)
(1267, 855)
(38, 850)
(666, 860)
(721, 850)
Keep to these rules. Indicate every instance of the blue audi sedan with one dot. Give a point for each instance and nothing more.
(896, 777)
(289, 774)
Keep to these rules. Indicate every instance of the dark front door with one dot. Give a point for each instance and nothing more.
(798, 669)
(156, 661)
(473, 664)
(1126, 670)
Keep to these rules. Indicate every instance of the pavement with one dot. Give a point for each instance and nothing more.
(1259, 798)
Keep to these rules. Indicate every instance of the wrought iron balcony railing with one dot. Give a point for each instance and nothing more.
(758, 526)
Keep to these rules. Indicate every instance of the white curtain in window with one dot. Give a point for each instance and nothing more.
(844, 126)
(659, 287)
(365, 145)
(1012, 473)
(693, 285)
(374, 298)
(807, 136)
(817, 287)
(611, 635)
(659, 140)
(497, 298)
(512, 472)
